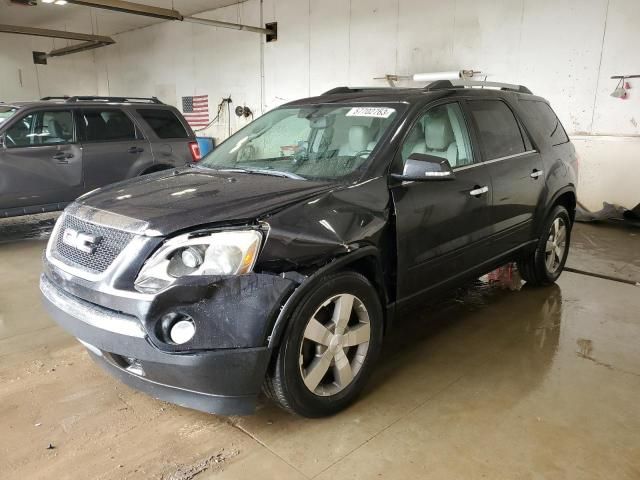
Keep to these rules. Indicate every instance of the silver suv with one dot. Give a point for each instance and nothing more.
(58, 148)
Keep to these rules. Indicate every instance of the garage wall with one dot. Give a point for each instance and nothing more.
(565, 51)
(20, 79)
(175, 59)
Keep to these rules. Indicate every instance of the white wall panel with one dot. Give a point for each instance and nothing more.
(563, 50)
(20, 79)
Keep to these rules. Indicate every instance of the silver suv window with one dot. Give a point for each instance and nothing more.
(106, 125)
(164, 123)
(46, 127)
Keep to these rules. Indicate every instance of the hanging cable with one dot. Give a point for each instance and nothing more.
(217, 117)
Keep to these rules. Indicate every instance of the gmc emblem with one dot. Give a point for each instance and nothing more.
(84, 242)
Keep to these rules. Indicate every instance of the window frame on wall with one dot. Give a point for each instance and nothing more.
(41, 112)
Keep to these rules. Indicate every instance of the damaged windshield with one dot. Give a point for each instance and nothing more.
(319, 142)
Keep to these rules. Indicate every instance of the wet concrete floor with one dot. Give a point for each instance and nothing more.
(487, 383)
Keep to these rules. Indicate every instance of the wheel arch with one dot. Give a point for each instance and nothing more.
(565, 196)
(365, 260)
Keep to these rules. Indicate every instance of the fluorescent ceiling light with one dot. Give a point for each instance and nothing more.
(60, 2)
(48, 1)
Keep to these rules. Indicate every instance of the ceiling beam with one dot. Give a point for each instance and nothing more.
(131, 7)
(234, 26)
(44, 32)
(77, 48)
(166, 14)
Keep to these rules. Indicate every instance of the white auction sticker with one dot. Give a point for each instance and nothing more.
(377, 112)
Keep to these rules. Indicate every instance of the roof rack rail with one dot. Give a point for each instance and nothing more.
(338, 90)
(445, 84)
(64, 97)
(94, 98)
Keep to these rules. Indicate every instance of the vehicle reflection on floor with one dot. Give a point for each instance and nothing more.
(28, 227)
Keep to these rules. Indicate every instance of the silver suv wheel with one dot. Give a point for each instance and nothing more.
(334, 345)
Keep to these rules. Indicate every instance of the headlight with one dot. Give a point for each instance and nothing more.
(220, 253)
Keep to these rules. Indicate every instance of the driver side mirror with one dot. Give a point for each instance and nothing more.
(420, 167)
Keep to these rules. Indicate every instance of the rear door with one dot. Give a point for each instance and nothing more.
(516, 170)
(441, 225)
(172, 137)
(40, 161)
(113, 147)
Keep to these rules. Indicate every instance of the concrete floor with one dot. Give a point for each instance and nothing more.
(533, 383)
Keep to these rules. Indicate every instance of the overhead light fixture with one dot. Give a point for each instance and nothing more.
(60, 2)
(48, 1)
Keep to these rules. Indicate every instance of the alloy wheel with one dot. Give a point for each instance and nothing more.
(334, 345)
(556, 245)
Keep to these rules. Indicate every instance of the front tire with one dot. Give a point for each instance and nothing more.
(545, 264)
(332, 341)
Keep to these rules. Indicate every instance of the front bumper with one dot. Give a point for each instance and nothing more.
(217, 379)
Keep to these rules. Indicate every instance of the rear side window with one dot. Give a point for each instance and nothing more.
(106, 125)
(548, 122)
(164, 123)
(499, 131)
(41, 128)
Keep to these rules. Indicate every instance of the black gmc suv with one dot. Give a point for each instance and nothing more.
(281, 259)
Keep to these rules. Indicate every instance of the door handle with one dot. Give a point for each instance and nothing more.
(477, 191)
(536, 173)
(62, 157)
(135, 150)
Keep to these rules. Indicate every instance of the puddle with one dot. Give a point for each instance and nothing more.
(27, 227)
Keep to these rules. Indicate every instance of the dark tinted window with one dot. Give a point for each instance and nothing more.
(499, 131)
(164, 123)
(547, 121)
(104, 125)
(41, 128)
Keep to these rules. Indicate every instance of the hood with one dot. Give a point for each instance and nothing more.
(173, 200)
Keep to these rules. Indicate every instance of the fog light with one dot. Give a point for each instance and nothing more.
(182, 331)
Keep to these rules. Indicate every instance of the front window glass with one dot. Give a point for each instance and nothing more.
(6, 112)
(320, 142)
(441, 132)
(41, 128)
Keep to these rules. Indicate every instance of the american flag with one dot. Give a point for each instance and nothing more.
(196, 110)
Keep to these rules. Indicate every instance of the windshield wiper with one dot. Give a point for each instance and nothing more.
(260, 171)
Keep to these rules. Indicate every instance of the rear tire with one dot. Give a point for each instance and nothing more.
(545, 264)
(332, 341)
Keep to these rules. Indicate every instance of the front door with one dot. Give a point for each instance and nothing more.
(40, 161)
(440, 225)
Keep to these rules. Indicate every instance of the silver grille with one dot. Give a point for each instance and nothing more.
(112, 242)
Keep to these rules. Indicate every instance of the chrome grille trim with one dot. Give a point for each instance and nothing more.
(112, 243)
(109, 219)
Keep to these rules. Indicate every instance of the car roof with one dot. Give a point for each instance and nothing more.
(85, 101)
(45, 103)
(408, 95)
